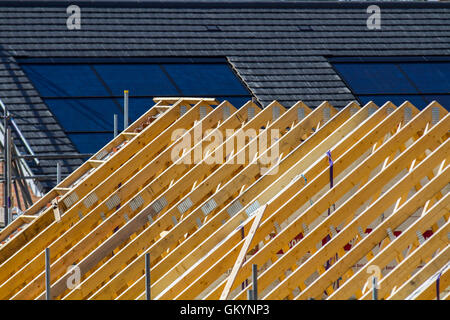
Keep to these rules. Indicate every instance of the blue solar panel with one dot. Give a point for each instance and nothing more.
(84, 98)
(418, 82)
(64, 80)
(90, 143)
(138, 106)
(443, 100)
(86, 114)
(140, 79)
(428, 77)
(370, 78)
(205, 79)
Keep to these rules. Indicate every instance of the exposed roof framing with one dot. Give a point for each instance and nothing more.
(384, 212)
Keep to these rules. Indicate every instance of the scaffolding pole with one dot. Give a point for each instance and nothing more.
(147, 276)
(125, 109)
(6, 180)
(47, 274)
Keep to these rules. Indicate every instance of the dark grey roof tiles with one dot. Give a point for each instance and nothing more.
(279, 49)
(42, 131)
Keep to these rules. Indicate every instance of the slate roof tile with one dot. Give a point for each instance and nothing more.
(281, 52)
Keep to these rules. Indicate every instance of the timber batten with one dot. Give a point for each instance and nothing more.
(345, 192)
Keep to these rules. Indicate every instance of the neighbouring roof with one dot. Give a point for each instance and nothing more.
(279, 49)
(340, 195)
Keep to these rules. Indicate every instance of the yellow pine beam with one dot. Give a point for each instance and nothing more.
(101, 191)
(291, 132)
(333, 220)
(18, 249)
(403, 271)
(189, 220)
(352, 204)
(388, 254)
(242, 253)
(168, 194)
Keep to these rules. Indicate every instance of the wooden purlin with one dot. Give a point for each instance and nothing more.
(234, 222)
(389, 202)
(189, 221)
(84, 174)
(346, 211)
(234, 184)
(221, 265)
(185, 182)
(134, 182)
(106, 189)
(401, 292)
(276, 204)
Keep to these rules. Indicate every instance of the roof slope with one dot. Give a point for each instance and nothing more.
(328, 195)
(278, 48)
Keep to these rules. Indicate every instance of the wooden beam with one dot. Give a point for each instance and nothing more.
(16, 246)
(124, 192)
(186, 178)
(202, 246)
(243, 253)
(221, 174)
(130, 198)
(155, 271)
(101, 191)
(430, 292)
(341, 239)
(357, 280)
(224, 232)
(324, 203)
